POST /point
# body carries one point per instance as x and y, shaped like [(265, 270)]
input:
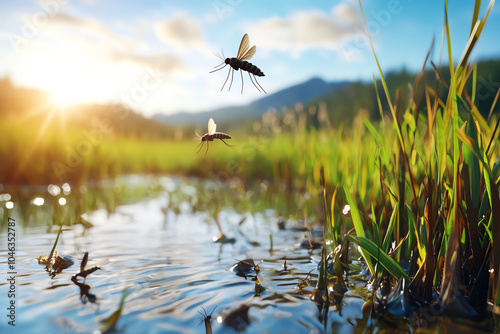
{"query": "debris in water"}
[(246, 268), (258, 288), (56, 263), (83, 271), (85, 294)]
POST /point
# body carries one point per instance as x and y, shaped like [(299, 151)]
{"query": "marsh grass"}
[(438, 201)]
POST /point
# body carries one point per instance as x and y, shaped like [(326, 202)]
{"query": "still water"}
[(157, 250)]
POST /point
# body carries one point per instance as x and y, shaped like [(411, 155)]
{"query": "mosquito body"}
[(211, 135), (245, 52), (207, 319)]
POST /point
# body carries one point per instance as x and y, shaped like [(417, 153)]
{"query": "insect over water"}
[(245, 52), (211, 135)]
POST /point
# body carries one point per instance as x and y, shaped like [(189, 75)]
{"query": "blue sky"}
[(155, 55)]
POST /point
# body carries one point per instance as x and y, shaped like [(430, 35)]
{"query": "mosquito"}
[(207, 318), (211, 135), (245, 52)]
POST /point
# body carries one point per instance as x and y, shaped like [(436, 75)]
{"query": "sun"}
[(63, 97)]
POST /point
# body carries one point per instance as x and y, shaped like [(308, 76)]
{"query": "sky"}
[(155, 56)]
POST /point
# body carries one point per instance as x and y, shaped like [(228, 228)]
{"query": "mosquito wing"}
[(249, 54), (244, 45), (211, 126)]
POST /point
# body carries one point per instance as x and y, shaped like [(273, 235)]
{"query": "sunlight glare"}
[(38, 201), (5, 197), (9, 205), (62, 99), (62, 201), (66, 189), (53, 190)]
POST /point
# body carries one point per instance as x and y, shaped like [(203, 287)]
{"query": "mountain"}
[(287, 97)]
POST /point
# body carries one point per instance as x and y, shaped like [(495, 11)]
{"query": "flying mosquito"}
[(245, 52), (211, 135)]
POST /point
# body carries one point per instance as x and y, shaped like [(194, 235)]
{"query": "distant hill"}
[(18, 104), (287, 97)]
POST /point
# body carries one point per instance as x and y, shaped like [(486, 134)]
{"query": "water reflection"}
[(85, 294)]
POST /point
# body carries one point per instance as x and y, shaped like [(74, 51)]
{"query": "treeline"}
[(344, 103)]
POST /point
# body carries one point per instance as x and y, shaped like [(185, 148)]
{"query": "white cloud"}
[(97, 41), (309, 29), (167, 62), (93, 29), (183, 33)]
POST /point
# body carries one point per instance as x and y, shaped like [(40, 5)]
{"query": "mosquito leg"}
[(207, 149), (228, 145), (226, 79), (259, 84), (218, 68), (253, 82), (232, 76), (241, 82), (201, 143)]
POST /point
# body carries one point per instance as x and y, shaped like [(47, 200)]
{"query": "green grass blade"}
[(108, 324), (358, 226), (412, 228), (376, 230), (385, 260), (335, 227), (421, 239), (55, 243), (373, 131), (474, 83), (448, 39), (390, 229), (477, 7), (379, 103), (473, 162), (476, 30)]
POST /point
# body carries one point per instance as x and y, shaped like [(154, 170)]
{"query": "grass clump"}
[(437, 202)]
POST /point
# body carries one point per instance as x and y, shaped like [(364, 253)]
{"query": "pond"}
[(163, 263)]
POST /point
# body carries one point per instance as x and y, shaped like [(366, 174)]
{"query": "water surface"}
[(160, 248)]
